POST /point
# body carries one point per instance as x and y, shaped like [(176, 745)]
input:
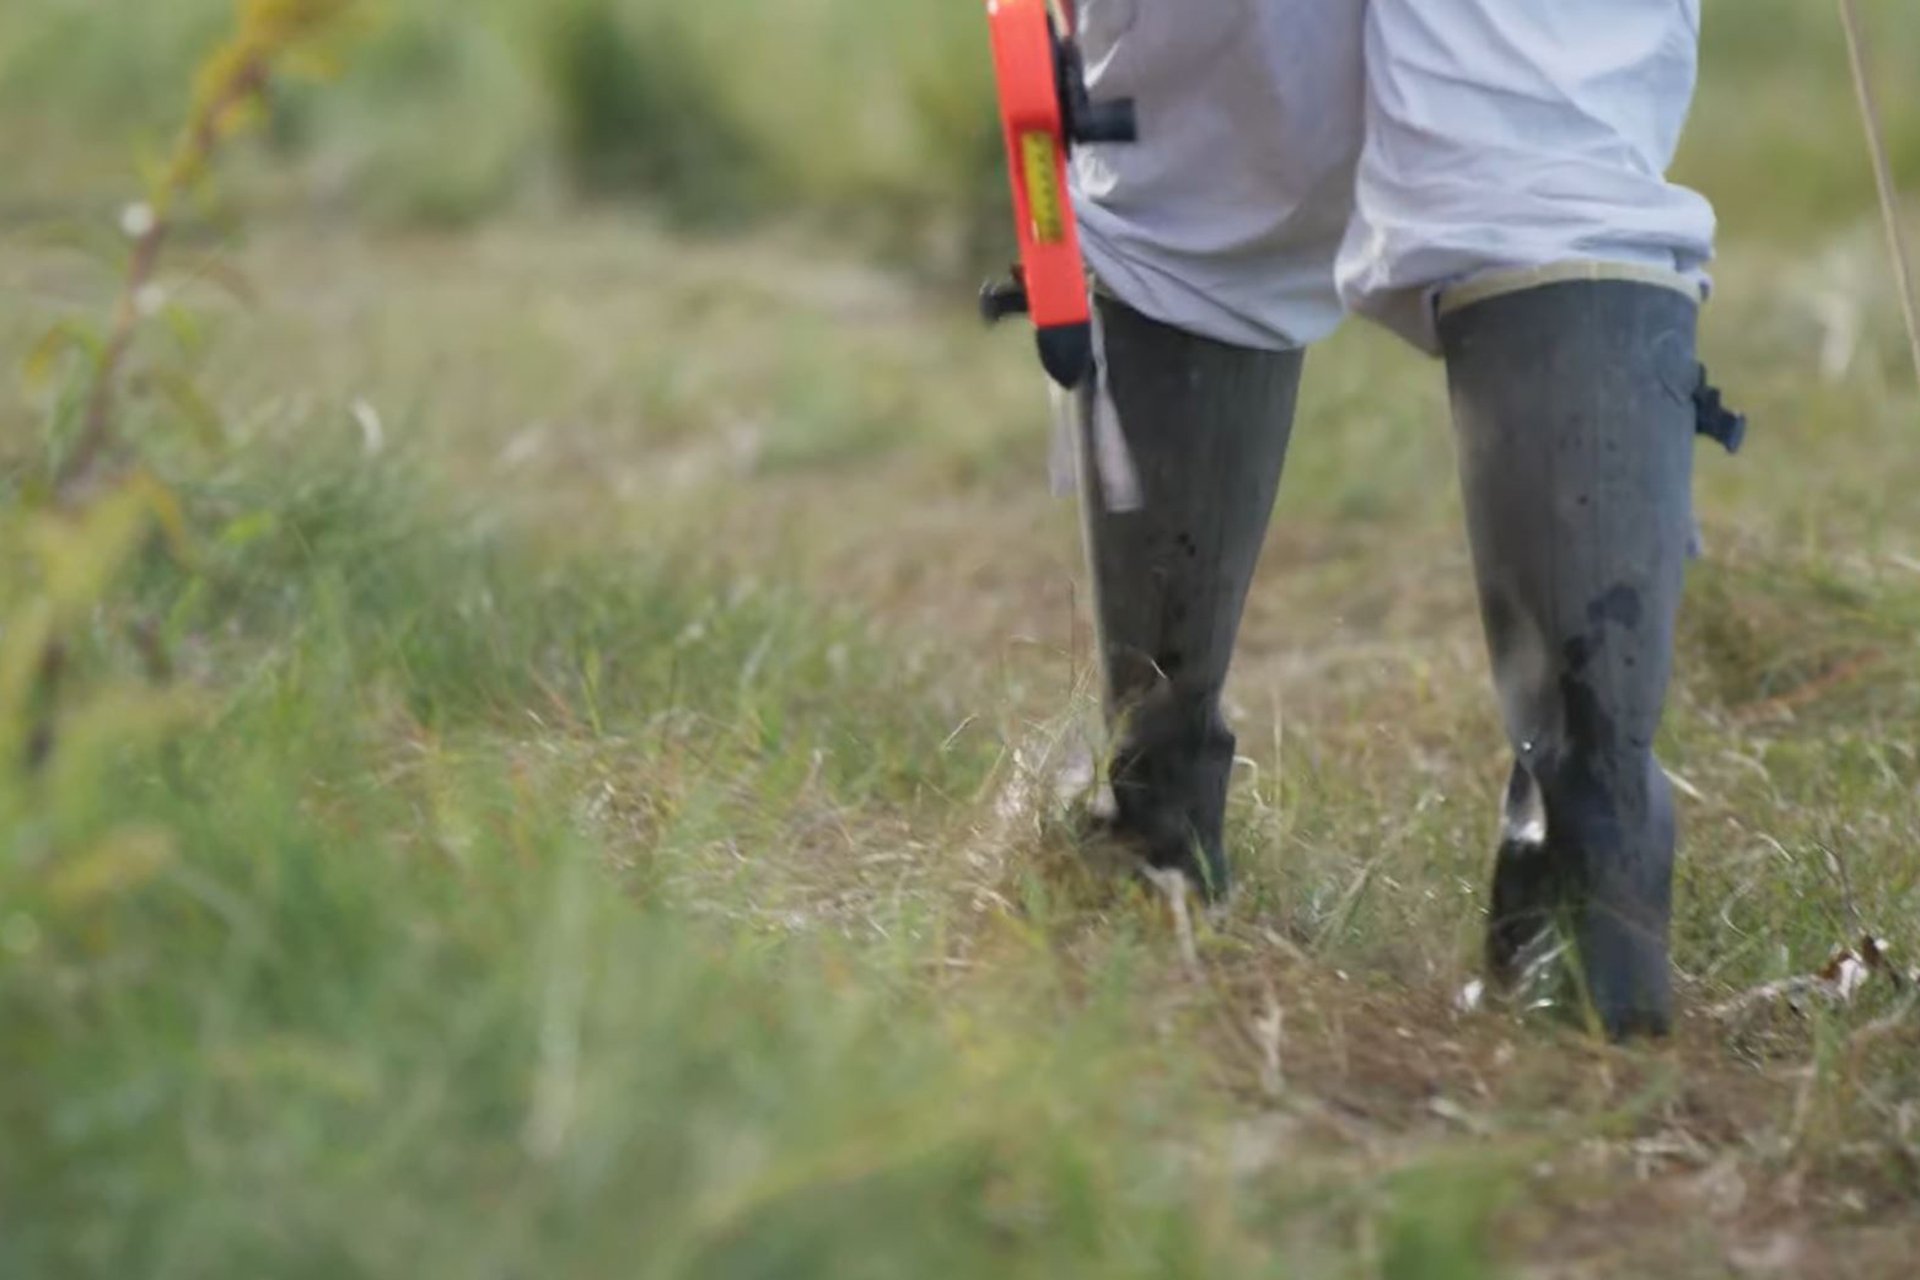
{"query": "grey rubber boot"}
[(1574, 405), (1206, 425)]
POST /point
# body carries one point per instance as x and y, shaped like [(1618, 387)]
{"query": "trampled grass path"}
[(733, 566)]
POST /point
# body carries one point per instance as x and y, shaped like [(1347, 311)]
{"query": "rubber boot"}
[(1574, 405), (1206, 425)]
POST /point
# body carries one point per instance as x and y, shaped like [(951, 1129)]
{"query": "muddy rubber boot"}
[(1575, 409), (1206, 426)]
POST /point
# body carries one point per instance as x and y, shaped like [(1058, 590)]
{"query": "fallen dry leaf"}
[(1845, 974)]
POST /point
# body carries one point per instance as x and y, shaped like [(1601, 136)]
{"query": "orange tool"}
[(1044, 112)]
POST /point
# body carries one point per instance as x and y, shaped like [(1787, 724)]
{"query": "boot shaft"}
[(1205, 426), (1574, 409)]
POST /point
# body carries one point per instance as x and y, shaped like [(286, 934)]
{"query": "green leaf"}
[(246, 529), (81, 553), (164, 504), (43, 357)]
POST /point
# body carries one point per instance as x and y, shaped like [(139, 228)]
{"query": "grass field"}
[(584, 803)]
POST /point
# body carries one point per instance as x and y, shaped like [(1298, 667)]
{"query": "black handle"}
[(1000, 299), (1714, 420), (1086, 120), (1106, 121)]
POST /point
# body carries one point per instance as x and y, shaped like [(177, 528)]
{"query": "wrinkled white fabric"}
[(1305, 159)]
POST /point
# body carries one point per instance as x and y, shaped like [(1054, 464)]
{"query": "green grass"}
[(412, 994), (598, 829), (600, 823)]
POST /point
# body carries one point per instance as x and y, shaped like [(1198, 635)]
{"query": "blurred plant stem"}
[(229, 88), (97, 521), (1885, 184)]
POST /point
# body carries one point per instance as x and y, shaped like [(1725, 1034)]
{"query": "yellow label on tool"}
[(1043, 188)]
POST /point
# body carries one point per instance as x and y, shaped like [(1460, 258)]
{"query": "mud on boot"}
[(1169, 772)]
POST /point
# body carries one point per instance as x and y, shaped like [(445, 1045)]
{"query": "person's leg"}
[(1513, 216), (1575, 418), (1214, 239), (1206, 426)]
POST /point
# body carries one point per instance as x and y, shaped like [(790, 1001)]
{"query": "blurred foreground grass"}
[(605, 823), (873, 119)]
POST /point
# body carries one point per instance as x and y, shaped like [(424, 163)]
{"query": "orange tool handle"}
[(1044, 111), (1033, 119)]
